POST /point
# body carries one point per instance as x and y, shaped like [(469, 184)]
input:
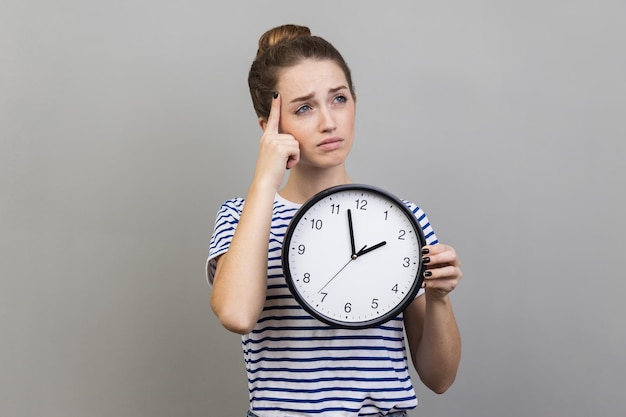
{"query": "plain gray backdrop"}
[(125, 123)]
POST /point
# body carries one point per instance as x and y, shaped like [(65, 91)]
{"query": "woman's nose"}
[(327, 121)]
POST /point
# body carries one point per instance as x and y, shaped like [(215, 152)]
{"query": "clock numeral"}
[(407, 262), (335, 208), (316, 224), (307, 278), (375, 303), (361, 204), (401, 234), (301, 249), (324, 294), (386, 212), (395, 288), (348, 307)]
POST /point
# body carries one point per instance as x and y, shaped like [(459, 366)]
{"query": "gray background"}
[(124, 124)]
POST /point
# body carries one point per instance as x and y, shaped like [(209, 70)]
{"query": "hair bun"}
[(281, 34)]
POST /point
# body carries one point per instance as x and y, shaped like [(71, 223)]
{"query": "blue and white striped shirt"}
[(298, 366)]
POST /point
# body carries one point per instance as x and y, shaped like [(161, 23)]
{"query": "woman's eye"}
[(303, 109), (341, 99)]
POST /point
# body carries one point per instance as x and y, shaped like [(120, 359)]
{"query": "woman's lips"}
[(330, 144)]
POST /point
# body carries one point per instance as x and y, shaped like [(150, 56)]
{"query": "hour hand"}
[(366, 249)]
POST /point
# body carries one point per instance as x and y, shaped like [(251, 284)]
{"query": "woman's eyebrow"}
[(336, 89), (303, 98), (311, 95)]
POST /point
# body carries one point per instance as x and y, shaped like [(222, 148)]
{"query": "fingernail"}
[(425, 259), (275, 94), (427, 274), (425, 251)]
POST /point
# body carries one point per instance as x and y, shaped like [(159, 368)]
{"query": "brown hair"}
[(283, 47)]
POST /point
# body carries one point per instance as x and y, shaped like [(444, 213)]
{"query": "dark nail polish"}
[(425, 259), (427, 274), (275, 94), (425, 251)]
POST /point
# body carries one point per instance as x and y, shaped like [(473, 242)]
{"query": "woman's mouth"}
[(330, 144)]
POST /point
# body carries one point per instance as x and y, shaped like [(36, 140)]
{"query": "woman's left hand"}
[(443, 270)]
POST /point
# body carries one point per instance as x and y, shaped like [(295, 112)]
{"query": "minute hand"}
[(366, 249), (351, 229)]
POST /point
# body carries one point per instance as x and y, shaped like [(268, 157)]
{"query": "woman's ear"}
[(262, 123)]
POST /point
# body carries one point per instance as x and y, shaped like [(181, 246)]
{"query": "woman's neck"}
[(303, 184)]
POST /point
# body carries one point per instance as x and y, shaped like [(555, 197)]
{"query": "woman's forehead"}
[(310, 77)]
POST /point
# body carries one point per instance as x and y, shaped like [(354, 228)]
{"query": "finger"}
[(273, 119), (439, 255), (438, 289), (444, 279), (294, 158), (435, 249), (443, 273)]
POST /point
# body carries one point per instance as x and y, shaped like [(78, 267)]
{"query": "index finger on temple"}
[(273, 119)]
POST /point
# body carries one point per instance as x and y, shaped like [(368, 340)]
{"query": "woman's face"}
[(318, 110)]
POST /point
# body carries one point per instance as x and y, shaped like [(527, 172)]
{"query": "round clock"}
[(352, 256)]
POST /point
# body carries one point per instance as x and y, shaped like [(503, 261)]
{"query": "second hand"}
[(352, 258)]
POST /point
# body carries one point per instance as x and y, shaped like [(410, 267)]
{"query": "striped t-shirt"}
[(299, 366)]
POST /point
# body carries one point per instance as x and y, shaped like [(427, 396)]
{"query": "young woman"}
[(303, 95)]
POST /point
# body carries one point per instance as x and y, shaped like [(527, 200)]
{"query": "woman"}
[(303, 95)]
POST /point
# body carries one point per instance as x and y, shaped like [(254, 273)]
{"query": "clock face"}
[(352, 256)]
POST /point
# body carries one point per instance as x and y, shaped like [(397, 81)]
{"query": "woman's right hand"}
[(277, 152), (240, 281)]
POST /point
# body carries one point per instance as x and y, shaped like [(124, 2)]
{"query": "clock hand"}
[(334, 276), (376, 246), (352, 258), (351, 234)]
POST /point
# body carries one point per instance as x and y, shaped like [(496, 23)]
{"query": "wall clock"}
[(352, 256)]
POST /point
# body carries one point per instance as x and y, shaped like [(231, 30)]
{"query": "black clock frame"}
[(377, 321)]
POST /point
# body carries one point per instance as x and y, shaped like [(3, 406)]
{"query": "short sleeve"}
[(422, 219), (225, 224)]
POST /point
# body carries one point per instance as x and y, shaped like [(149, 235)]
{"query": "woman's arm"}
[(239, 283), (240, 280), (432, 332)]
